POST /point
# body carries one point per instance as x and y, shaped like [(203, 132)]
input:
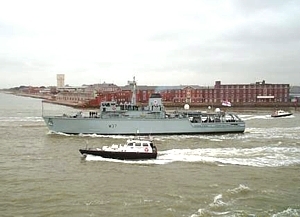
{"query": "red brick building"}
[(254, 94), (259, 92)]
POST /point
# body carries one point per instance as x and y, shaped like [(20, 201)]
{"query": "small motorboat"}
[(133, 149), (280, 113)]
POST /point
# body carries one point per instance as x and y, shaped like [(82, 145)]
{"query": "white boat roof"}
[(139, 140)]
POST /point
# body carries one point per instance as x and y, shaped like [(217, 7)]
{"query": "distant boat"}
[(134, 149), (226, 103), (126, 118), (280, 113)]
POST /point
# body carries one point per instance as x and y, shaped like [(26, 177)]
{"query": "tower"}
[(60, 79)]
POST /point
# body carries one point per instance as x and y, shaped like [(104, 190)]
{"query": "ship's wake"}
[(254, 157)]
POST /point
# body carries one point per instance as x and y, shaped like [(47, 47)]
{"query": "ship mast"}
[(133, 97)]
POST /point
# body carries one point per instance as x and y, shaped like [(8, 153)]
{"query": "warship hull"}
[(123, 126)]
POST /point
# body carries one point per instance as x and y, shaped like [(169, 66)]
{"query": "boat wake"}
[(272, 133), (254, 157), (264, 117)]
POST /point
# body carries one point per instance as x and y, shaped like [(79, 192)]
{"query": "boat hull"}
[(119, 155), (281, 115), (132, 126)]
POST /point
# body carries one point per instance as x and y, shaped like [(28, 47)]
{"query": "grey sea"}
[(256, 173)]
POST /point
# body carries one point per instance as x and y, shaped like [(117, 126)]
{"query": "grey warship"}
[(153, 119)]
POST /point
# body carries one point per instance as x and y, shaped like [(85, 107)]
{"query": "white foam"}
[(288, 212)]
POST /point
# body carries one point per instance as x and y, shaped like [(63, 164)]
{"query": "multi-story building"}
[(256, 94), (76, 95)]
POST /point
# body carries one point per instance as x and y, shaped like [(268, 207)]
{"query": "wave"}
[(288, 212), (222, 204)]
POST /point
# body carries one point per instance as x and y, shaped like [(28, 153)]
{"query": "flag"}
[(226, 103)]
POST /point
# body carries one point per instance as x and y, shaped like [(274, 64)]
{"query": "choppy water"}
[(252, 174)]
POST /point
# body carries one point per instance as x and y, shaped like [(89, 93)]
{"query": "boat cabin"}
[(132, 145), (140, 145)]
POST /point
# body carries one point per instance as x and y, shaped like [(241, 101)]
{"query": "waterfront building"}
[(259, 93), (254, 94), (76, 95), (104, 87)]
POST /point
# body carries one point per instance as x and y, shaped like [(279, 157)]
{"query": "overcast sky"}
[(159, 42)]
